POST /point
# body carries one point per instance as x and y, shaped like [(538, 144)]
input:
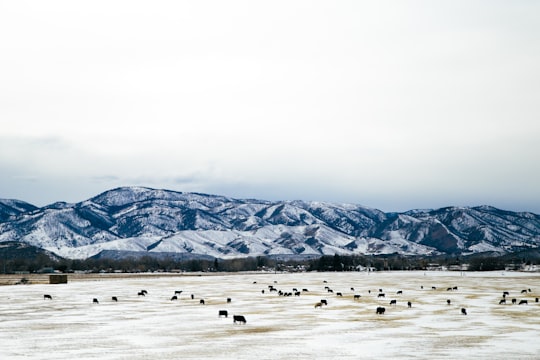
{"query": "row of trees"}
[(483, 262)]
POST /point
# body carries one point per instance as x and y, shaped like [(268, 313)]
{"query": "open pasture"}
[(71, 325)]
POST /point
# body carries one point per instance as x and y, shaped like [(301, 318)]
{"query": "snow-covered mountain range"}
[(138, 220)]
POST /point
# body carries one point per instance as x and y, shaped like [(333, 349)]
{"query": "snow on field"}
[(71, 326)]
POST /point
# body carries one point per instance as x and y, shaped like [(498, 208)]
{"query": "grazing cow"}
[(223, 313), (201, 301), (140, 293), (380, 310), (324, 302), (464, 311), (454, 288), (47, 296), (409, 304), (330, 290), (399, 292), (503, 301), (356, 297), (521, 302), (239, 318), (433, 288), (448, 301), (514, 301), (393, 302), (297, 293), (144, 292), (449, 289), (114, 298), (318, 305), (228, 300), (305, 290), (174, 298), (380, 295), (352, 289), (95, 301), (524, 291), (339, 294)]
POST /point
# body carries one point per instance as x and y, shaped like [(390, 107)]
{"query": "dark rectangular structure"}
[(58, 279)]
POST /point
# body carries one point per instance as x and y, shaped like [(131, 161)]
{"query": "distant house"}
[(365, 268), (434, 267)]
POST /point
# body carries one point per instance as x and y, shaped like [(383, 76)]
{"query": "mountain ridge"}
[(146, 220)]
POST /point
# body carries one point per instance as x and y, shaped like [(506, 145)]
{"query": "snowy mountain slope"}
[(9, 208), (144, 220)]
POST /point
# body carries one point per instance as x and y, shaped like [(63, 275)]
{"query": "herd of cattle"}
[(379, 295)]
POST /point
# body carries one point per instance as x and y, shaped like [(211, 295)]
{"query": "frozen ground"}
[(70, 326)]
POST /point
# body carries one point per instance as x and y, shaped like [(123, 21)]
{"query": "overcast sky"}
[(394, 105)]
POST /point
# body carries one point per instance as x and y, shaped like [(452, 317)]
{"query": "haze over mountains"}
[(135, 221)]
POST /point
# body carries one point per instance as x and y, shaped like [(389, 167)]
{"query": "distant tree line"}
[(478, 262)]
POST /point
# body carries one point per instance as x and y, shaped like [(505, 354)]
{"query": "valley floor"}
[(70, 325)]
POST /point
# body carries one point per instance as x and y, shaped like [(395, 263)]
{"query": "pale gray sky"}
[(395, 105)]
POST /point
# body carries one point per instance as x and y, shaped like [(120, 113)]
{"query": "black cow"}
[(47, 296), (141, 293), (114, 298), (514, 301), (393, 302), (144, 292), (356, 297), (409, 304), (399, 292), (505, 293), (524, 291), (503, 301), (380, 295), (454, 288), (223, 313), (324, 302), (178, 292), (448, 301), (174, 298), (201, 301), (464, 311), (239, 318), (380, 310), (228, 300), (339, 294), (95, 301), (522, 302), (192, 296)]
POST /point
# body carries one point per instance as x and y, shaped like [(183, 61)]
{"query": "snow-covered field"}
[(71, 326)]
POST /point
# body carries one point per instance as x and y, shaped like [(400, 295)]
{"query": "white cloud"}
[(413, 99)]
